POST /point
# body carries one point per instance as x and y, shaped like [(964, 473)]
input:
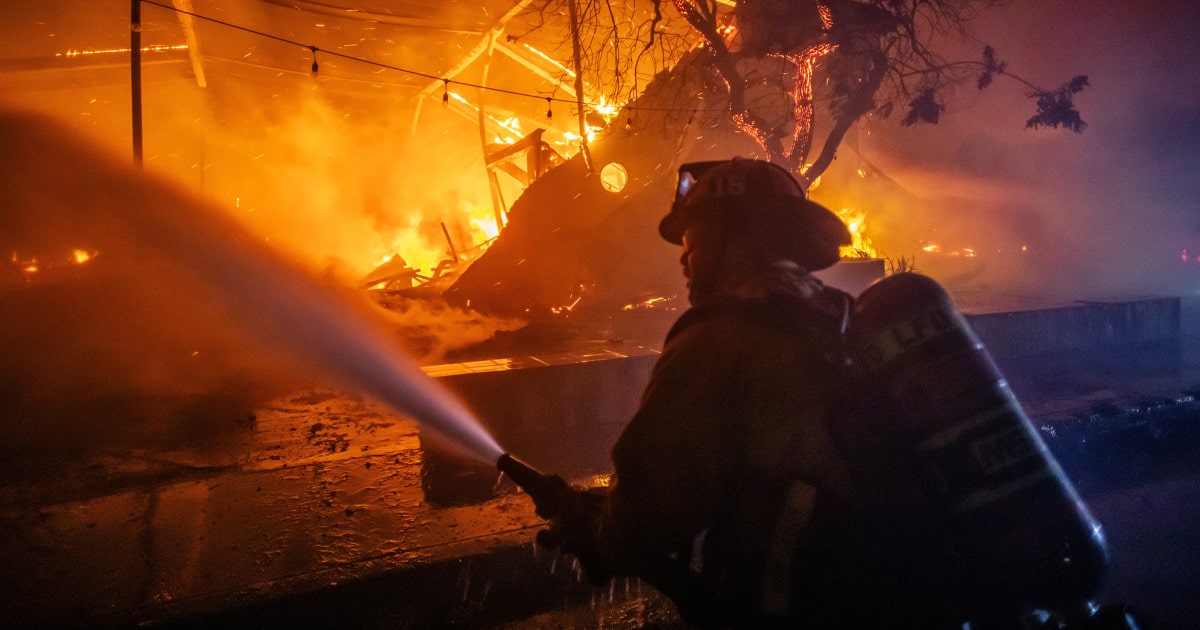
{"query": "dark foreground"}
[(319, 518), (1149, 505)]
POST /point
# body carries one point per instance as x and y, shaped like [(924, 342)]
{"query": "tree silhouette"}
[(778, 74), (871, 53), (782, 60)]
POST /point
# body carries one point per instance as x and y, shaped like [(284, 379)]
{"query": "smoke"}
[(124, 348), (431, 329), (336, 169), (133, 315), (132, 347), (1054, 215), (347, 192)]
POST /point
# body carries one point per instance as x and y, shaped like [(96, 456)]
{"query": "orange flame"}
[(860, 243)]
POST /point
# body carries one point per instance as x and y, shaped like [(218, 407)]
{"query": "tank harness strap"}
[(779, 563), (831, 310)]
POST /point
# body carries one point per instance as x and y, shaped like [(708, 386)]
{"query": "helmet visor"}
[(672, 226), (689, 174)]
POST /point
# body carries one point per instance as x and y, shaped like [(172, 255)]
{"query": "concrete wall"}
[(1128, 338), (563, 413), (543, 413)]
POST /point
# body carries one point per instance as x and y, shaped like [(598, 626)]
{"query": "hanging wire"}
[(446, 81)]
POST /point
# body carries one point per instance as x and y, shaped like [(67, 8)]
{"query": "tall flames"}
[(860, 242), (33, 267)]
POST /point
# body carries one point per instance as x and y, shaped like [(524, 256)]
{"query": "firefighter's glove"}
[(574, 529)]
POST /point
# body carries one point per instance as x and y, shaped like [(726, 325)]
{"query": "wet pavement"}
[(314, 514), (320, 488)]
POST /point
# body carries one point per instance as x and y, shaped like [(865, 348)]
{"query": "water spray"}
[(107, 202)]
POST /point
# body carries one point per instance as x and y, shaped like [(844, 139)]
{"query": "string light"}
[(445, 92), (549, 111), (446, 82)]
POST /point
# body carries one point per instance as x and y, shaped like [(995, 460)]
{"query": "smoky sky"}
[(1106, 213), (331, 170)]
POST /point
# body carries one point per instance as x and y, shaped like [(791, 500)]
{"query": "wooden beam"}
[(189, 32), (518, 56), (324, 8), (485, 42)]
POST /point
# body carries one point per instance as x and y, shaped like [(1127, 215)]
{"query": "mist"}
[(337, 169), (337, 172), (1104, 214), (136, 315)]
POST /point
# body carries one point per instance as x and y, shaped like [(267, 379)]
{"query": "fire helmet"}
[(746, 194)]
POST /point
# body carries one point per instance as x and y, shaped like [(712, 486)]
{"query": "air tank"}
[(1002, 526)]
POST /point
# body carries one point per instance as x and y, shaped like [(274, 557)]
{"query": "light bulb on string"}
[(445, 92), (316, 66)]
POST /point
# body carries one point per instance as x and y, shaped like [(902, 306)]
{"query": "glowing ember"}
[(649, 303), (117, 51), (81, 256), (548, 59), (802, 95), (512, 125), (572, 139), (559, 310), (826, 14), (606, 109), (965, 252), (487, 225)]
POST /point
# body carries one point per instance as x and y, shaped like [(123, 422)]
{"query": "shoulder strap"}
[(826, 313)]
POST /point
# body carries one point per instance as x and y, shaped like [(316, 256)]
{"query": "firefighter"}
[(804, 459), (726, 479)]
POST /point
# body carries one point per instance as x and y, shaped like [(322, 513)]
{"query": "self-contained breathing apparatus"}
[(969, 505), (940, 447)]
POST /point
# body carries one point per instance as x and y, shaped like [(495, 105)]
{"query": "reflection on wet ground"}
[(315, 514), (318, 487)]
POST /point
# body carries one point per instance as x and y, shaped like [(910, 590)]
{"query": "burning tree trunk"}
[(569, 239), (800, 34), (748, 89)]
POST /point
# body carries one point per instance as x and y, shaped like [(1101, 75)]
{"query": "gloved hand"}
[(574, 529)]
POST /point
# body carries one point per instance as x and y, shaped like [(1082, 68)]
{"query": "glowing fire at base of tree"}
[(860, 243)]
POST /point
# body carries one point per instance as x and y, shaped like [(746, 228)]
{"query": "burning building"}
[(495, 191)]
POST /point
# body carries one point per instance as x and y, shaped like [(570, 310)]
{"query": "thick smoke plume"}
[(1053, 215), (132, 314)]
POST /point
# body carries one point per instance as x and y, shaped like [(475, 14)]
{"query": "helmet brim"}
[(803, 212), (672, 227)]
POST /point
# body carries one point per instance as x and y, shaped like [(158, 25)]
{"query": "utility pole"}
[(135, 72)]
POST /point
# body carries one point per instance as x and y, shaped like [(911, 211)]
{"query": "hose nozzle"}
[(550, 493)]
